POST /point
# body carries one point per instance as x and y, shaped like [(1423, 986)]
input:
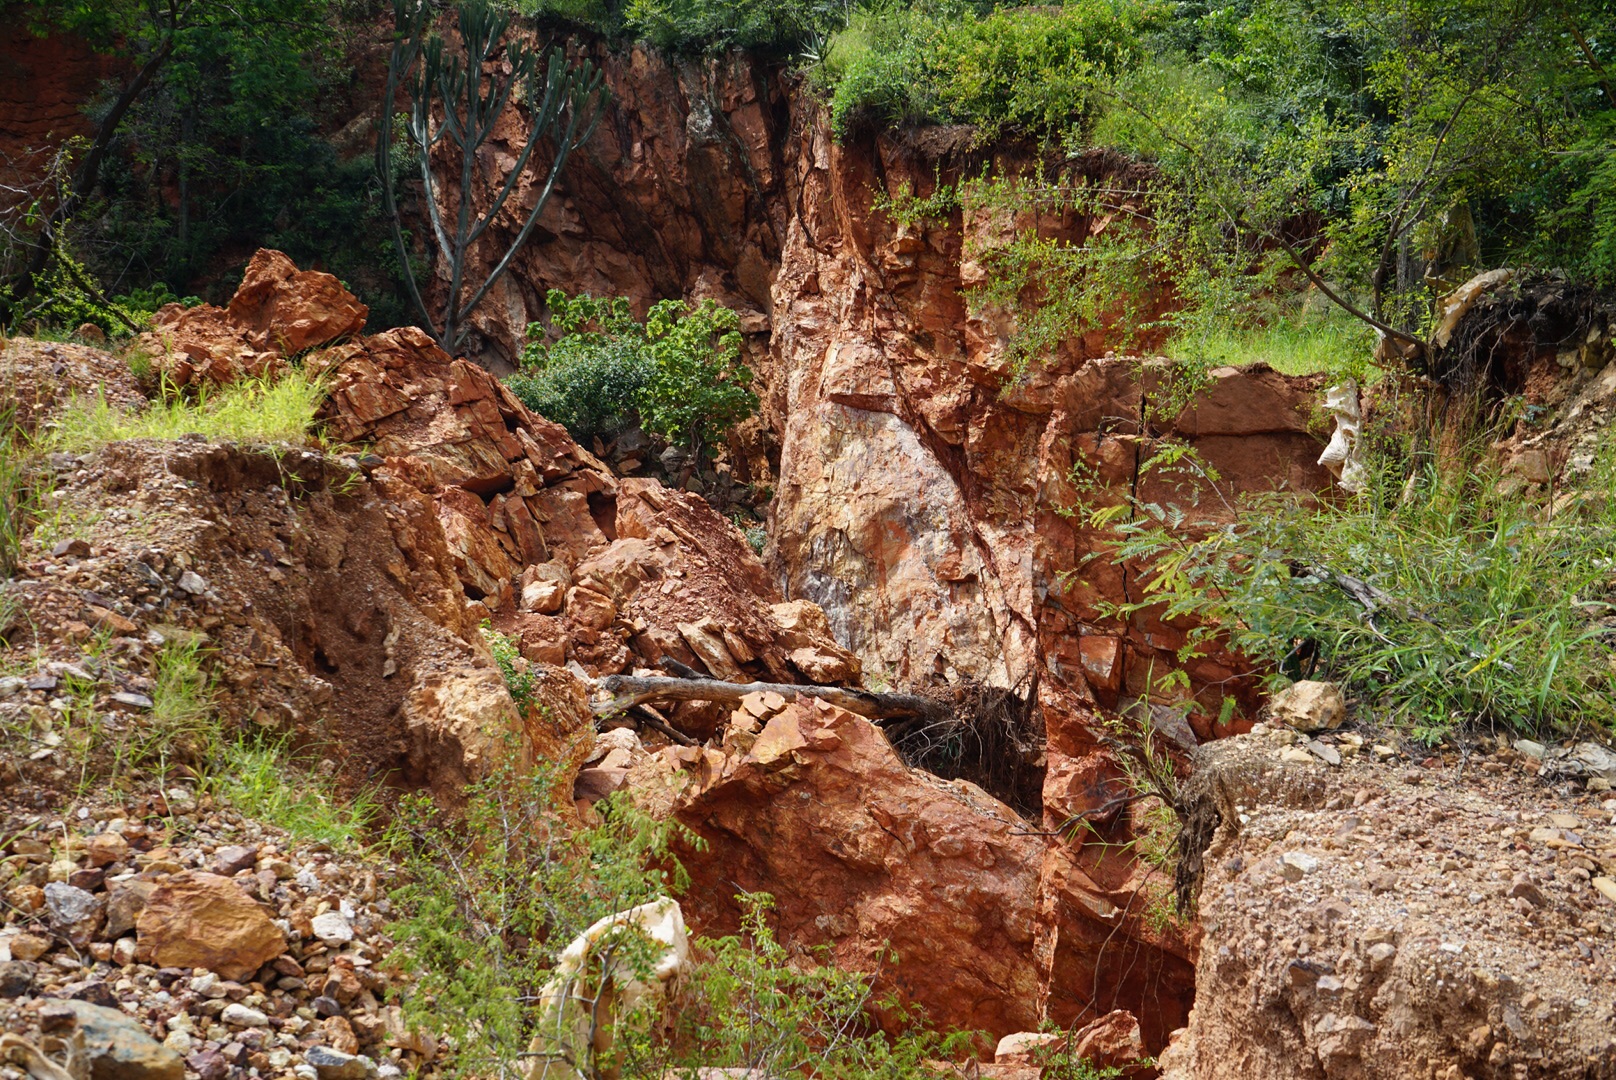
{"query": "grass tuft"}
[(1291, 345), (254, 410), (253, 775)]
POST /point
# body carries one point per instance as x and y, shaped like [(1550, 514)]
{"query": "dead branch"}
[(629, 690)]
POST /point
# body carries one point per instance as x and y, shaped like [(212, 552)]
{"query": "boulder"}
[(882, 858), (1024, 1047), (1111, 1042), (291, 310), (201, 920)]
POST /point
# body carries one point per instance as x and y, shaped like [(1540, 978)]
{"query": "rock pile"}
[(178, 938)]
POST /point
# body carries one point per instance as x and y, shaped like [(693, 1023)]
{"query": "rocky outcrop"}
[(991, 926), (636, 572), (1376, 920), (277, 313), (920, 498)]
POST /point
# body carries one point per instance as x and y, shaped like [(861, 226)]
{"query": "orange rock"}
[(195, 919), (290, 310), (862, 853)]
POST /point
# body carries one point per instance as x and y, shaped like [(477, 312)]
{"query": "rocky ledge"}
[(1446, 916)]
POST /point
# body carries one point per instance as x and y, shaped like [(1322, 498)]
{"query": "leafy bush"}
[(591, 379), (512, 666), (1032, 70), (678, 374), (1439, 599), (698, 388), (777, 26)]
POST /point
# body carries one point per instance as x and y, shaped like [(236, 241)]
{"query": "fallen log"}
[(628, 691)]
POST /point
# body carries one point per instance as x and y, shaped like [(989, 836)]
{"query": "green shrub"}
[(1439, 599), (512, 666), (678, 374), (771, 26), (698, 388), (497, 893), (1028, 70), (590, 380), (602, 16)]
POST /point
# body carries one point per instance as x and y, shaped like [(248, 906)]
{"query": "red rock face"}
[(918, 498), (993, 927), (44, 85)]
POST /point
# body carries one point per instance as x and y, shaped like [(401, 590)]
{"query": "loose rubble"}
[(1446, 915), (195, 950)]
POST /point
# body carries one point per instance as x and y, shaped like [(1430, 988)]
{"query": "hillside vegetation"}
[(1387, 146)]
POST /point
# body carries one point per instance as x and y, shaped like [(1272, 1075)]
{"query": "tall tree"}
[(460, 96)]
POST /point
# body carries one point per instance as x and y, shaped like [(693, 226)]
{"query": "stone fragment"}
[(544, 596), (1021, 1047), (74, 913), (230, 861), (29, 946), (1295, 865), (1523, 887), (196, 919), (106, 848), (1111, 1042), (334, 1064), (120, 1049), (16, 978), (125, 901), (1530, 748), (339, 1035), (238, 1015), (1325, 753), (209, 1065), (1381, 954), (1309, 706), (333, 928), (590, 609), (1606, 887)]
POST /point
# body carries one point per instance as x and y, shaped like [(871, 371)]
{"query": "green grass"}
[(265, 780), (1291, 345), (14, 491), (254, 410)]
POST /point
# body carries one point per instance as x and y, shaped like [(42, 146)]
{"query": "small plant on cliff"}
[(512, 666), (678, 374), (463, 96)]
